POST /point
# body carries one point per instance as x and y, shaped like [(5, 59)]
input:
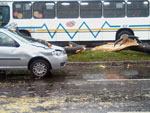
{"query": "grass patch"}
[(97, 56)]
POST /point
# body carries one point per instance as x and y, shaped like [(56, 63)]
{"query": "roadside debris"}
[(131, 42), (120, 44), (75, 48), (102, 66), (128, 66)]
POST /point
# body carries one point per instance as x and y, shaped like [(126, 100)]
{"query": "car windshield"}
[(19, 37)]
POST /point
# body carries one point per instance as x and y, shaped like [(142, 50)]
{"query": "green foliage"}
[(97, 56)]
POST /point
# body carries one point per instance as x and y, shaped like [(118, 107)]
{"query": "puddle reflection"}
[(119, 73), (85, 73)]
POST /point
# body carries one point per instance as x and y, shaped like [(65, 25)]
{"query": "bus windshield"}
[(4, 15)]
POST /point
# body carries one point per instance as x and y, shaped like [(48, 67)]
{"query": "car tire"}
[(40, 68), (122, 34)]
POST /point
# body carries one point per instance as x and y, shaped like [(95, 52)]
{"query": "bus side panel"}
[(140, 27), (90, 30), (67, 30), (109, 27), (44, 29)]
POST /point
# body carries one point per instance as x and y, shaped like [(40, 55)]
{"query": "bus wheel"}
[(123, 33)]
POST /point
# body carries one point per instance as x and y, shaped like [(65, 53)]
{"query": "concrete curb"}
[(113, 63)]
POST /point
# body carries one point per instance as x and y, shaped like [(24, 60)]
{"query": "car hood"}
[(37, 44)]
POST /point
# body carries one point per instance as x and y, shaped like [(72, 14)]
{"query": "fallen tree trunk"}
[(123, 44), (131, 42), (142, 48), (74, 48)]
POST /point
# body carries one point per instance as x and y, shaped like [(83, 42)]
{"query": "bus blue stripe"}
[(79, 31), (139, 26), (71, 37)]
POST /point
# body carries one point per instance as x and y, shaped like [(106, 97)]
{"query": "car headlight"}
[(58, 52)]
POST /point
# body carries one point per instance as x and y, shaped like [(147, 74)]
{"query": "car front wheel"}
[(40, 68)]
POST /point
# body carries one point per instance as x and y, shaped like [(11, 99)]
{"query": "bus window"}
[(22, 10), (4, 15), (137, 8), (114, 9), (67, 9), (90, 9), (44, 10)]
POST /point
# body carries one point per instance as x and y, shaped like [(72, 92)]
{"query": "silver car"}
[(17, 53)]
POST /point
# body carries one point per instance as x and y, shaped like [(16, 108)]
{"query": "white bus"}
[(79, 21)]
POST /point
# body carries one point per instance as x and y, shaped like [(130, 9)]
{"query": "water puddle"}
[(116, 73), (85, 73)]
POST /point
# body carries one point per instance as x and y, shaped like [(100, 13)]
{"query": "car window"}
[(5, 40)]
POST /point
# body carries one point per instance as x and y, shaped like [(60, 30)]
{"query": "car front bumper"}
[(59, 61)]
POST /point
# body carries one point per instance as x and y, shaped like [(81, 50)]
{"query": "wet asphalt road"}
[(78, 89)]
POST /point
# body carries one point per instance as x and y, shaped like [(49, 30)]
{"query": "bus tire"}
[(121, 34)]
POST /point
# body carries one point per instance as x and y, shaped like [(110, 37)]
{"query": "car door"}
[(9, 56)]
